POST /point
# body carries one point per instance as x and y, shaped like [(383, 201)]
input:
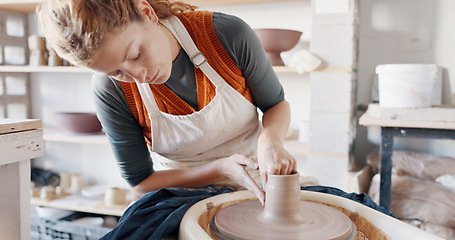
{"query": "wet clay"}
[(284, 216)]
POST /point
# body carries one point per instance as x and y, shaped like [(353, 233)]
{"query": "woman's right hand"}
[(234, 168)]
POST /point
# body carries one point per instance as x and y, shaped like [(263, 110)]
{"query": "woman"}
[(186, 84)]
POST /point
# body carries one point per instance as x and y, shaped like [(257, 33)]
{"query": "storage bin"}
[(64, 228), (406, 85)]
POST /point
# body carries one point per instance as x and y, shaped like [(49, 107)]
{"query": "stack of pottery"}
[(54, 59), (38, 51)]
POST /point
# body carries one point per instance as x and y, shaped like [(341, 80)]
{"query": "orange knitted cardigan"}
[(199, 25)]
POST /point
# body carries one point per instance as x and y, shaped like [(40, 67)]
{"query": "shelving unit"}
[(63, 69), (56, 135), (29, 6), (44, 69), (79, 202)]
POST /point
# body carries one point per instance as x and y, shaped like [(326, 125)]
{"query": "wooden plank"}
[(284, 69), (14, 204), (44, 69), (65, 69), (440, 117), (29, 6), (80, 203), (204, 3), (24, 190), (8, 125), (15, 147), (20, 6), (55, 135), (335, 69)]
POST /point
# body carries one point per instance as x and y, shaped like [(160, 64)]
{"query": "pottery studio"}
[(227, 119)]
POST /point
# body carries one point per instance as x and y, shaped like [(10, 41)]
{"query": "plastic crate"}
[(44, 229)]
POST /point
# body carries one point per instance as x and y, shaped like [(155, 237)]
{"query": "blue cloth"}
[(158, 214), (360, 198)]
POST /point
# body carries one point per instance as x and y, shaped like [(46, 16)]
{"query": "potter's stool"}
[(434, 122)]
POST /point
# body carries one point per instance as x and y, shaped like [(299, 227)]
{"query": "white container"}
[(406, 85)]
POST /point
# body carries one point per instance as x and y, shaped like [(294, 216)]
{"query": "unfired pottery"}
[(282, 199), (47, 193), (78, 122), (276, 41), (114, 197), (77, 183), (65, 180), (284, 216)]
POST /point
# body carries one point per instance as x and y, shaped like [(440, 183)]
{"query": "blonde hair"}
[(74, 29)]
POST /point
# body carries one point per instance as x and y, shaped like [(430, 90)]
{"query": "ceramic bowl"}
[(78, 122), (276, 41)]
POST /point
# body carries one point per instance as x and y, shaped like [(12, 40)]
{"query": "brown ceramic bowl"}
[(276, 41), (78, 122)]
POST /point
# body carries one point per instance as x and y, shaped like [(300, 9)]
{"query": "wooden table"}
[(20, 141), (434, 122)]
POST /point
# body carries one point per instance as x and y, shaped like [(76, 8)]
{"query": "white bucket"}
[(406, 85)]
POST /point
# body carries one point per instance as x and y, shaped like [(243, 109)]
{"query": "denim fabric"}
[(360, 198), (158, 214)]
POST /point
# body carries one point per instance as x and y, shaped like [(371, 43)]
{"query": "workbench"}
[(433, 122), (20, 141)]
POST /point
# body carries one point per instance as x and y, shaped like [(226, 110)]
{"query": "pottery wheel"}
[(242, 221)]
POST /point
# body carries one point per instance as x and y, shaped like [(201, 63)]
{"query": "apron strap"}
[(179, 31), (148, 98)]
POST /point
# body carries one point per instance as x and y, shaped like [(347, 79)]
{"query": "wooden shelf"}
[(55, 135), (435, 117), (204, 3), (21, 6), (80, 203), (46, 69), (9, 125), (284, 69), (29, 6), (62, 69)]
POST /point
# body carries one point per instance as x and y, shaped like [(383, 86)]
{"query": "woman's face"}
[(142, 52)]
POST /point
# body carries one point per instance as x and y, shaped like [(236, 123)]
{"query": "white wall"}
[(444, 56), (444, 47), (387, 31)]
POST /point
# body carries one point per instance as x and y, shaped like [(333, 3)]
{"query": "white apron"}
[(228, 125)]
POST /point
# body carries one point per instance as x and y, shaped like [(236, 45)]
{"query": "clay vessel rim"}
[(282, 176)]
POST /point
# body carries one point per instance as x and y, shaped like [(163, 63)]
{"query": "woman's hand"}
[(274, 159), (234, 168)]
